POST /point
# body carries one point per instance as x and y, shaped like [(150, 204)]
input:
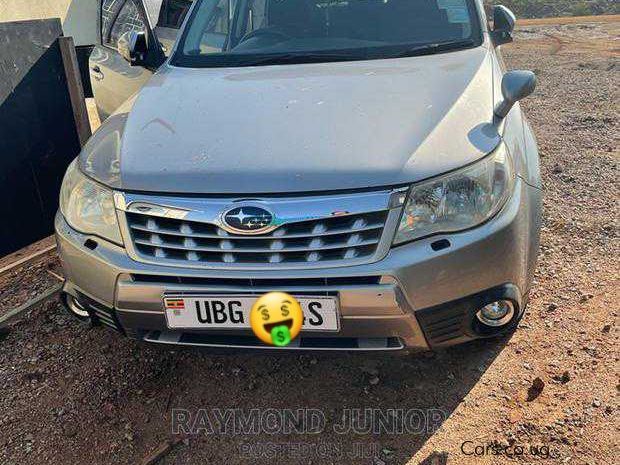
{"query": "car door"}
[(113, 79)]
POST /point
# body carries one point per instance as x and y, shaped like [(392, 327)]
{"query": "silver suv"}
[(369, 157)]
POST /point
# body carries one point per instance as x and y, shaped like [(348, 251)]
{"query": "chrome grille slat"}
[(336, 239), (317, 248), (186, 233)]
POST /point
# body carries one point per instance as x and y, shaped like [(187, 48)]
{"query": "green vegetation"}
[(547, 8)]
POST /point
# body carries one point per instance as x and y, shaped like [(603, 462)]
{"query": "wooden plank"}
[(56, 275), (27, 251), (16, 312), (27, 259), (76, 90), (162, 450)]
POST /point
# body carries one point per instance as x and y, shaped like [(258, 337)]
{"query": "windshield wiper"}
[(369, 53), (296, 58), (439, 47)]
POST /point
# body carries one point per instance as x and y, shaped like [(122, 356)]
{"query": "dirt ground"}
[(75, 395), (569, 20)]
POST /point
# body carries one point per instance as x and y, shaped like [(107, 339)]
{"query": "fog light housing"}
[(496, 314), (76, 308)]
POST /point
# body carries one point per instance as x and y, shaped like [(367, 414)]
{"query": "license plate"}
[(233, 312)]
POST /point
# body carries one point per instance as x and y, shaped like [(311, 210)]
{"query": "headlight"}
[(88, 206), (459, 200)]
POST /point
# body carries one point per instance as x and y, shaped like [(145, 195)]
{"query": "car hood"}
[(299, 128)]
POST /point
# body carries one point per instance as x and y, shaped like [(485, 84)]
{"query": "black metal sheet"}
[(38, 136)]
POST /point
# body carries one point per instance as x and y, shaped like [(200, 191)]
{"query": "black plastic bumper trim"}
[(455, 322), (99, 314)]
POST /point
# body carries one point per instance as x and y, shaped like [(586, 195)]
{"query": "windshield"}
[(260, 32)]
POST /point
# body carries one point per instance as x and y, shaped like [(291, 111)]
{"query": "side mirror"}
[(135, 48), (138, 48), (503, 24), (516, 85)]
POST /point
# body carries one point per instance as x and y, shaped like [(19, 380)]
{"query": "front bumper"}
[(419, 296)]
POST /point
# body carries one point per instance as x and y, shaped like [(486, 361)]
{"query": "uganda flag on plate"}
[(175, 304)]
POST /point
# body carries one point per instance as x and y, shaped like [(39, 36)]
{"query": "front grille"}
[(259, 283), (330, 239)]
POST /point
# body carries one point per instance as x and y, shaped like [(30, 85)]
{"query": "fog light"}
[(497, 313)]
